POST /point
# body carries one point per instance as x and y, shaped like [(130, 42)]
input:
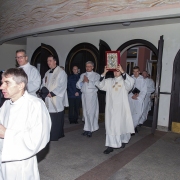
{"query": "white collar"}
[(89, 72), (23, 66), (20, 99)]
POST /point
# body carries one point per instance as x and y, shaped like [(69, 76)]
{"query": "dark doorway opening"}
[(79, 55), (39, 58), (174, 120)]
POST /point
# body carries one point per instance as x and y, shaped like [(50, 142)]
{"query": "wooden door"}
[(174, 116), (103, 46), (158, 82)]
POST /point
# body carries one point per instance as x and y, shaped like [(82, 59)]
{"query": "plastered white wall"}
[(7, 55), (164, 107), (63, 44)]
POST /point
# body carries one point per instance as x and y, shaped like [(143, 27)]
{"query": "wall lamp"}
[(126, 23), (71, 30)]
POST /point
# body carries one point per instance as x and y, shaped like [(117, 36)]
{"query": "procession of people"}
[(33, 112)]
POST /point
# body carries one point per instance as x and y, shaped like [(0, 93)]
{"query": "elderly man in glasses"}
[(34, 78)]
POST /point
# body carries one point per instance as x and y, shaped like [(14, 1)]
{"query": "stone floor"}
[(146, 157)]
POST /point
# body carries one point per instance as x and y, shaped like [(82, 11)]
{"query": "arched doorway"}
[(79, 55), (174, 120), (158, 53), (39, 58), (146, 60)]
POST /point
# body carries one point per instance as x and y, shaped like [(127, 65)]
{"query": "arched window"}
[(79, 55)]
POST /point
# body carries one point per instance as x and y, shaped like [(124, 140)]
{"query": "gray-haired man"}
[(24, 128), (34, 78), (90, 103)]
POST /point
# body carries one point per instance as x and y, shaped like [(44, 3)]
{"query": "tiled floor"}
[(146, 157)]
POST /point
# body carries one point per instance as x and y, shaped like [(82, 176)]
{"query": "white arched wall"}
[(63, 44)]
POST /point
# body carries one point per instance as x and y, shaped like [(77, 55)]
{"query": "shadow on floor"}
[(43, 153)]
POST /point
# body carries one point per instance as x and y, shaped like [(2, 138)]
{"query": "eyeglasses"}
[(20, 57)]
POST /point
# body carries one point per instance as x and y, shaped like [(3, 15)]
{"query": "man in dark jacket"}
[(74, 96)]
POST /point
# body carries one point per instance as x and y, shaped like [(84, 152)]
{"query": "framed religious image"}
[(112, 60)]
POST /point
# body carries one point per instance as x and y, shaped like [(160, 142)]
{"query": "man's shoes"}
[(89, 134), (136, 130), (85, 133), (123, 145), (75, 122), (108, 150)]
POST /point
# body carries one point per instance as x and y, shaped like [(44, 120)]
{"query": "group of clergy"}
[(125, 107), (140, 103), (27, 123), (55, 86)]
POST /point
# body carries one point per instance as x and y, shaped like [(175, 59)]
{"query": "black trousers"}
[(57, 128), (74, 105)]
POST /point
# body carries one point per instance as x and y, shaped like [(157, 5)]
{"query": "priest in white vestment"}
[(147, 99), (34, 78), (55, 85), (118, 119), (136, 100), (24, 128), (89, 97)]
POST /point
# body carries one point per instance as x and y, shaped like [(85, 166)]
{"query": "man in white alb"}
[(53, 89), (34, 78), (24, 128), (89, 97), (147, 99), (118, 119), (136, 97)]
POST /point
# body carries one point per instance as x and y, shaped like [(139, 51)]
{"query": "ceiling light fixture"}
[(71, 30), (126, 23)]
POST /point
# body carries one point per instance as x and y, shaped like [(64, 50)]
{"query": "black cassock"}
[(57, 119), (57, 128)]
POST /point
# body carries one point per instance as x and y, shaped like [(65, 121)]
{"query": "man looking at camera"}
[(24, 128), (34, 78), (136, 99)]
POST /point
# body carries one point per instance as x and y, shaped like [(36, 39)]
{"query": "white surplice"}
[(34, 78), (89, 100), (56, 82), (137, 106), (147, 99), (118, 119), (28, 130), (66, 102)]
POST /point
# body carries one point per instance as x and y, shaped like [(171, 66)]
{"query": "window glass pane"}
[(132, 53)]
